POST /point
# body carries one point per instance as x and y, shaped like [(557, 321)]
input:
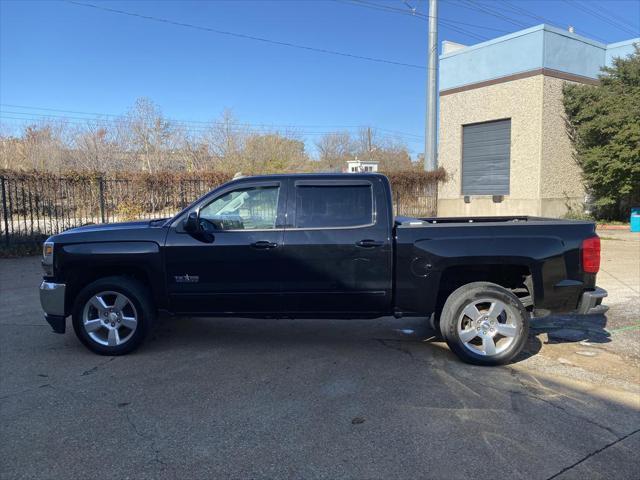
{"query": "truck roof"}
[(312, 175)]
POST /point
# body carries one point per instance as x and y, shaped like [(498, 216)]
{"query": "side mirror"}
[(191, 223)]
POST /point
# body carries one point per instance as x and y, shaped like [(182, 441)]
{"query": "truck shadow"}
[(564, 329), (404, 334), (572, 328), (407, 335)]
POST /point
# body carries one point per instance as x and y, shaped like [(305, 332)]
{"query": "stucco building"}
[(502, 135)]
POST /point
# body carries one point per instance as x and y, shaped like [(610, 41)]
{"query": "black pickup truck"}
[(321, 246)]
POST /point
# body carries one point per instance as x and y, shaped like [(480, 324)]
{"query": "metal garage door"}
[(485, 158)]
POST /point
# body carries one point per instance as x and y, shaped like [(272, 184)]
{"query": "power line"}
[(26, 107), (499, 30), (112, 123), (291, 133), (471, 25), (31, 116), (384, 8), (244, 36), (36, 117), (528, 13), (465, 32), (470, 4), (613, 16), (202, 124), (415, 14), (450, 24), (595, 14)]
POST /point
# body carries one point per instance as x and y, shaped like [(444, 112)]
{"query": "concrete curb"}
[(612, 227)]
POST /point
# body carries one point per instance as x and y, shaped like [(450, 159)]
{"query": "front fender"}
[(82, 262)]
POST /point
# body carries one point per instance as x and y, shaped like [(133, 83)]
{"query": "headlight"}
[(47, 258)]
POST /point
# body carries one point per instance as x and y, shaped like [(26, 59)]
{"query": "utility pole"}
[(431, 123)]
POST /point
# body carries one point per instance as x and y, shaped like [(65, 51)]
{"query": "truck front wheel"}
[(113, 315), (484, 324)]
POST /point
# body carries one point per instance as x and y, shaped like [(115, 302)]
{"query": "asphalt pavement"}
[(326, 399)]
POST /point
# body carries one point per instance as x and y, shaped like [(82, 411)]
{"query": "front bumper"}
[(52, 297), (591, 302)]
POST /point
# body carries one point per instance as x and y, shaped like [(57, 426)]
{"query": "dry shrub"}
[(415, 178), (128, 210), (44, 202)]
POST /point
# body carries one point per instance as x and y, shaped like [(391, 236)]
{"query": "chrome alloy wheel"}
[(486, 327), (110, 318)]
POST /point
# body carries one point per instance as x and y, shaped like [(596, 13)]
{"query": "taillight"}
[(591, 255)]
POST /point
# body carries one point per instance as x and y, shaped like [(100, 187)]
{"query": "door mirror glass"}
[(191, 223)]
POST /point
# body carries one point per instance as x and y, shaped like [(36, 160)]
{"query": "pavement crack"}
[(620, 281), (95, 369), (387, 344), (122, 408), (133, 425), (532, 393), (23, 324), (157, 459), (596, 452), (577, 417), (21, 392)]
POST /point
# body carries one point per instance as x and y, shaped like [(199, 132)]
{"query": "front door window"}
[(254, 208)]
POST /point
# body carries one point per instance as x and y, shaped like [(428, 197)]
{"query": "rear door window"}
[(333, 206)]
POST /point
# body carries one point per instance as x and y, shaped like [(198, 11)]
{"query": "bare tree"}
[(195, 153), (44, 146), (96, 148), (390, 152), (366, 142), (334, 150), (11, 150), (226, 140), (144, 139), (151, 135), (392, 155), (273, 152)]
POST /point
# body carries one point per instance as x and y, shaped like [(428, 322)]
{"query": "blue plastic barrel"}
[(635, 219)]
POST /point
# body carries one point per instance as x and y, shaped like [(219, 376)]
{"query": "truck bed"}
[(402, 221), (431, 251)]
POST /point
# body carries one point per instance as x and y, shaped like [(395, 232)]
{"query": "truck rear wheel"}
[(113, 315), (484, 324)]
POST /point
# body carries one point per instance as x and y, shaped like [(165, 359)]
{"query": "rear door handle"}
[(369, 243), (264, 245)]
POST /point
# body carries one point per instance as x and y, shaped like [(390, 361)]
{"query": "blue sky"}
[(60, 55)]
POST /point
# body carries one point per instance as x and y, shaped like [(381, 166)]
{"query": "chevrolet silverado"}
[(321, 246)]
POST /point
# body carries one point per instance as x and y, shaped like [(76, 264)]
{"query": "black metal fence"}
[(34, 207), (415, 200)]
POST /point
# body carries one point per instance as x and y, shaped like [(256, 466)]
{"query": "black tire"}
[(452, 315), (139, 298)]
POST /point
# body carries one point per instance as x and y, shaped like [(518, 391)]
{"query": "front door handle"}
[(264, 245), (369, 243)]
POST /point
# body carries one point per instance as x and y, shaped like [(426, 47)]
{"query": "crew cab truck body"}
[(323, 246)]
